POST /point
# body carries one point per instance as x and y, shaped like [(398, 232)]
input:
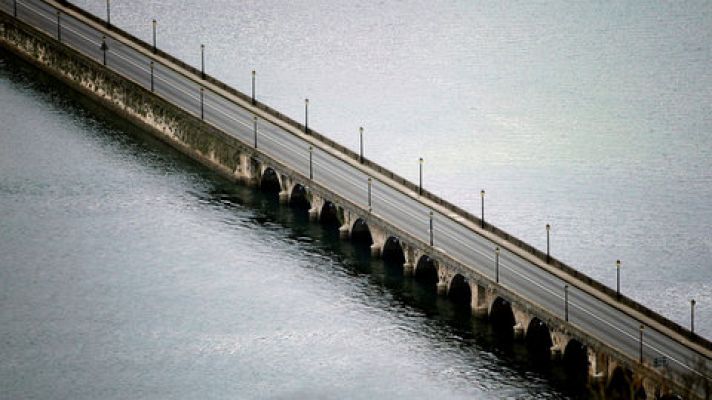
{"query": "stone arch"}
[(361, 233), (620, 385), (393, 251), (329, 214), (538, 339), (575, 361), (502, 317), (459, 291), (426, 271), (299, 197), (270, 181)]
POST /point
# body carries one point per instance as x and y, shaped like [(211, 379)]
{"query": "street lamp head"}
[(154, 23), (482, 193), (693, 302), (369, 179), (360, 130), (420, 160), (306, 101), (311, 148), (618, 263), (253, 73), (548, 227), (496, 250), (202, 46), (431, 214)]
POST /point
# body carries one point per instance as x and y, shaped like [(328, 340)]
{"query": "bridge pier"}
[(317, 203), (246, 171), (378, 237), (409, 263), (479, 299)]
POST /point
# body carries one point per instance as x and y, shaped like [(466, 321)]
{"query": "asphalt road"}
[(598, 318)]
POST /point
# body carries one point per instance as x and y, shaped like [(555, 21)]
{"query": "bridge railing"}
[(348, 153)]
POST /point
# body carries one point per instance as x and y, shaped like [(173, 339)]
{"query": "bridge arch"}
[(620, 384), (459, 291), (502, 317), (329, 215), (393, 251), (426, 271), (538, 340), (575, 360), (361, 233), (270, 181), (299, 197)]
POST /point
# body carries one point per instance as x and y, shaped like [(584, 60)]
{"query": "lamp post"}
[(253, 86), (108, 13), (151, 65), (496, 264), (311, 168), (618, 278), (431, 228), (14, 8), (692, 316), (104, 47), (360, 143), (420, 181), (548, 256), (202, 61), (482, 219), (566, 303), (254, 129), (369, 193), (306, 115), (154, 35), (59, 26)]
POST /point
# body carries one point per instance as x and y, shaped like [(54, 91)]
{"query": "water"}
[(127, 271), (594, 118)]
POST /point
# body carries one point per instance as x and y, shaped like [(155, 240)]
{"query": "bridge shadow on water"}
[(451, 315)]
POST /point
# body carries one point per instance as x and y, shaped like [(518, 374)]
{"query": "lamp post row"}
[(104, 48)]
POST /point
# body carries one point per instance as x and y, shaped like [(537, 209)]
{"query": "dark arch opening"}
[(426, 272), (361, 234), (393, 251), (298, 198), (575, 362), (269, 183), (538, 340), (502, 318), (460, 292), (620, 385), (329, 215), (640, 393)]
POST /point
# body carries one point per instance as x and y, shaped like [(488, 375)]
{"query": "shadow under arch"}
[(426, 272), (269, 182), (361, 233), (298, 198), (502, 319), (575, 362), (538, 340), (393, 252), (460, 292), (329, 215), (620, 386)]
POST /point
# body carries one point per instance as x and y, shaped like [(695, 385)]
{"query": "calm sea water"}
[(595, 118), (127, 271)]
